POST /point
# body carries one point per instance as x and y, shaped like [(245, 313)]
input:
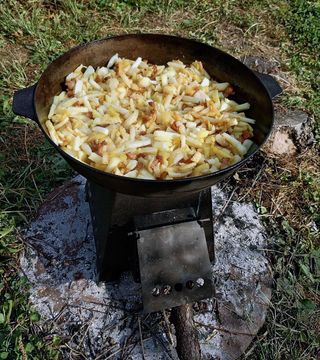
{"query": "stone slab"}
[(105, 321)]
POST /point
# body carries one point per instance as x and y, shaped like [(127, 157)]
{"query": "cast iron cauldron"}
[(34, 102)]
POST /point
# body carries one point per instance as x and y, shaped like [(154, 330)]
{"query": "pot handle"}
[(270, 83), (23, 102)]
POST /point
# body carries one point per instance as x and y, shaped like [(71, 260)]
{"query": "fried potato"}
[(148, 121)]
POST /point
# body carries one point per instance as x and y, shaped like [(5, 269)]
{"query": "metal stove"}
[(167, 244)]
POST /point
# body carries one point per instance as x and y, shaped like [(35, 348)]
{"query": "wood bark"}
[(188, 347)]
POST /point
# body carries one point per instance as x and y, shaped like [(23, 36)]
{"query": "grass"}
[(301, 19), (287, 196), (34, 32), (20, 337)]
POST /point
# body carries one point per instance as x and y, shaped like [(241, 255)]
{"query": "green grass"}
[(20, 337), (287, 195), (34, 32), (302, 22)]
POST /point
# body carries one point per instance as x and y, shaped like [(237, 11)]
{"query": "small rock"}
[(260, 64), (281, 144)]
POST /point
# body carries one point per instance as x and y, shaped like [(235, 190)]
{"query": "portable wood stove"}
[(167, 244)]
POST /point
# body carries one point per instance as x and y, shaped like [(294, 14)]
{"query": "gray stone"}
[(292, 132), (103, 320), (280, 143)]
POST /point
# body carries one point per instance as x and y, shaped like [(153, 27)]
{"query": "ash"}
[(105, 321)]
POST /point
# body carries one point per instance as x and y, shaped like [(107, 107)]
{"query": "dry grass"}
[(282, 187)]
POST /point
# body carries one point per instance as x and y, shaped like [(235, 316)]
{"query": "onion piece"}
[(112, 60)]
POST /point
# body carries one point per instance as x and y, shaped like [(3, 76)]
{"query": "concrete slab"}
[(104, 321)]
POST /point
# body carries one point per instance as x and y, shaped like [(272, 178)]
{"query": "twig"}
[(104, 350), (91, 346), (85, 333), (76, 351), (276, 207), (130, 351), (124, 346), (223, 330), (111, 355), (56, 317), (127, 340), (117, 351), (225, 206), (212, 335), (159, 339), (22, 349), (253, 183), (252, 26), (115, 323), (170, 337), (206, 25), (141, 339), (85, 308), (225, 184)]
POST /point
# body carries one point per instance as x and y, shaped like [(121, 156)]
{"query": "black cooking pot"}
[(257, 89)]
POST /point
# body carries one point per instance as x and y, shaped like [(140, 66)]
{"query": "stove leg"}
[(204, 211), (101, 203)]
